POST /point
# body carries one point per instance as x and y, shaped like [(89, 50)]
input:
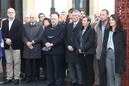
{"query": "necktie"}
[(74, 24)]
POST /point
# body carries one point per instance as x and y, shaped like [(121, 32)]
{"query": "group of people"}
[(63, 43)]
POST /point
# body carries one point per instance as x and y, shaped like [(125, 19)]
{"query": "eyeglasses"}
[(11, 12)]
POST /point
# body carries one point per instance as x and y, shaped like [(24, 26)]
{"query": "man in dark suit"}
[(53, 40), (71, 55), (12, 36)]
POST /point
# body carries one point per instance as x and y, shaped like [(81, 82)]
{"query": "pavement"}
[(42, 83)]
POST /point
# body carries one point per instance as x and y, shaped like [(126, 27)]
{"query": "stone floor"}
[(42, 83)]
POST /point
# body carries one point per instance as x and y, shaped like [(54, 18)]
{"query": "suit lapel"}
[(7, 23), (75, 26), (86, 31)]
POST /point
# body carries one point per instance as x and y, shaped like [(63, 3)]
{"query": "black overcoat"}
[(119, 40), (71, 35)]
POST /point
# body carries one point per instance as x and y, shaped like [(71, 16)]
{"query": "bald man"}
[(12, 36), (26, 19), (32, 35)]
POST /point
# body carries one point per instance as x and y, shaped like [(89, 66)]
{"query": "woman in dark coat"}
[(86, 49), (114, 52)]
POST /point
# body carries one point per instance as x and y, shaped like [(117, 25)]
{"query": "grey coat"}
[(30, 33), (99, 40)]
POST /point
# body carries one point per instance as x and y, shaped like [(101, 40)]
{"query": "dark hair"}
[(41, 14), (88, 18), (106, 11), (71, 10), (82, 10), (47, 20), (118, 22), (56, 14)]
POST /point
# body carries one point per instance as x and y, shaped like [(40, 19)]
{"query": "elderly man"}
[(12, 36), (32, 36)]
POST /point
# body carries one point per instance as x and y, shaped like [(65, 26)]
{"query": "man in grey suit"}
[(32, 35)]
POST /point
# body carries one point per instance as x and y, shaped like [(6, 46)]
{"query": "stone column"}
[(28, 7), (94, 7), (69, 4)]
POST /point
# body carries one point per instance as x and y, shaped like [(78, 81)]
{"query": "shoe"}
[(28, 80), (7, 81), (16, 81)]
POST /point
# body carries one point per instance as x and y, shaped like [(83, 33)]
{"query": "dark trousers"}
[(32, 68), (42, 64), (102, 74), (88, 71), (54, 69), (75, 73)]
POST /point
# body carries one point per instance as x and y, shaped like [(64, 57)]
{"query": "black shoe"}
[(16, 81), (28, 80), (7, 81)]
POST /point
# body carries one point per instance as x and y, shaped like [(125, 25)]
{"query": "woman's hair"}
[(118, 22), (88, 18), (47, 20)]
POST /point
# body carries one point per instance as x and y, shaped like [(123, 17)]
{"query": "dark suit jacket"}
[(119, 40), (88, 41), (71, 56), (15, 33), (55, 35)]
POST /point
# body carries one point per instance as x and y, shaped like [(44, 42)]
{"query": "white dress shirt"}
[(10, 23)]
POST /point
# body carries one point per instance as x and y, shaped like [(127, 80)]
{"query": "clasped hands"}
[(8, 41), (48, 45), (29, 44)]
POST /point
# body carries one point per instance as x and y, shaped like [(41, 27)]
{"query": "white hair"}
[(77, 11)]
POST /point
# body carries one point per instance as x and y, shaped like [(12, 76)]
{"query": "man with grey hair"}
[(71, 55)]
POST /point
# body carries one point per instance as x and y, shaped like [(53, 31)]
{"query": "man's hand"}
[(48, 44), (70, 48), (8, 41), (29, 44), (31, 47)]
